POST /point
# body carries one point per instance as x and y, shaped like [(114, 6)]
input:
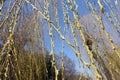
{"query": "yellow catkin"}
[(113, 12), (101, 24), (60, 34), (76, 17), (106, 33), (9, 46)]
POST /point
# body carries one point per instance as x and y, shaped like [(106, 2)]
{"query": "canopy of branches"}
[(59, 39)]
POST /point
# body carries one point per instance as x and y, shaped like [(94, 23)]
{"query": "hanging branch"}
[(60, 34), (106, 33), (113, 16), (101, 24), (92, 64), (10, 56)]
